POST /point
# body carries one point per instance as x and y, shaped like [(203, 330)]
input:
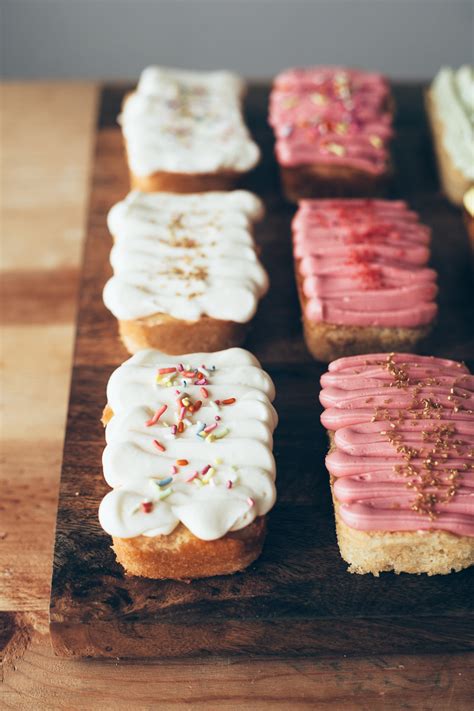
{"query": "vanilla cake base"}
[(175, 336), (320, 180), (163, 181), (328, 341), (182, 556), (430, 552)]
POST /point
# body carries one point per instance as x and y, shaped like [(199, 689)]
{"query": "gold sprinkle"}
[(336, 149), (376, 141), (290, 102), (318, 99)]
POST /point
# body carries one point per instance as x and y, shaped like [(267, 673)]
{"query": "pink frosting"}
[(331, 115), (404, 442), (362, 263)]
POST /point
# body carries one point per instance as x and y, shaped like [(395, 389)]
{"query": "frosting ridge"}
[(403, 442), (363, 263), (187, 122), (332, 115), (169, 459), (185, 256)]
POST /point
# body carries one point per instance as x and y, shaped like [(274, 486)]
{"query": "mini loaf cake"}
[(450, 107), (184, 131), (332, 128), (362, 277), (186, 273), (401, 462), (189, 457)]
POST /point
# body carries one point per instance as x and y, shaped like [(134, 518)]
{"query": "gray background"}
[(117, 38)]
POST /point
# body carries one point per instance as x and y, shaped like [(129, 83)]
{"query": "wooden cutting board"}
[(298, 598)]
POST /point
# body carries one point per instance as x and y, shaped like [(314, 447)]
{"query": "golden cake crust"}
[(182, 556), (163, 181), (175, 336), (321, 180)]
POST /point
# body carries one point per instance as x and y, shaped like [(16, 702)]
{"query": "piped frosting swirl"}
[(190, 441), (363, 263), (333, 116), (187, 122), (403, 442), (185, 256)]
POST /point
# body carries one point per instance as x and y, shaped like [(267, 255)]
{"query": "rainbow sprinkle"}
[(156, 416), (186, 407), (165, 482), (222, 433), (164, 493)]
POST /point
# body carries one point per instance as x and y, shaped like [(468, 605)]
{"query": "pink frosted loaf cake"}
[(332, 127), (362, 277), (401, 462)]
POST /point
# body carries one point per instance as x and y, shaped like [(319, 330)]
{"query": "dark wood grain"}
[(298, 598), (23, 290)]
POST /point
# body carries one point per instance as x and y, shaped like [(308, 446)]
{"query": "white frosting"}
[(453, 94), (208, 506), (187, 122), (185, 256)]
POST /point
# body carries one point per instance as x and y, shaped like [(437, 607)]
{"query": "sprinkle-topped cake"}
[(184, 131), (401, 462), (332, 128), (186, 271), (362, 276), (189, 457)]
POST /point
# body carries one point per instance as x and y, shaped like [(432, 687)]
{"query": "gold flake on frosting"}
[(185, 256)]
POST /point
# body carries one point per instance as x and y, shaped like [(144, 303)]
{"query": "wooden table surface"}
[(48, 131)]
